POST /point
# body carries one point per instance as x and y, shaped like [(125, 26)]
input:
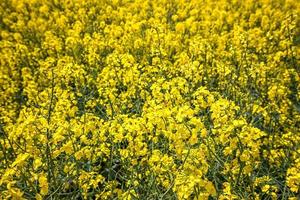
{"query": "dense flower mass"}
[(150, 99)]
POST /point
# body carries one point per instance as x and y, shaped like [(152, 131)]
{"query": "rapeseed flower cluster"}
[(164, 99)]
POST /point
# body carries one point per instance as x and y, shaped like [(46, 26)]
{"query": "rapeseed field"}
[(150, 99)]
